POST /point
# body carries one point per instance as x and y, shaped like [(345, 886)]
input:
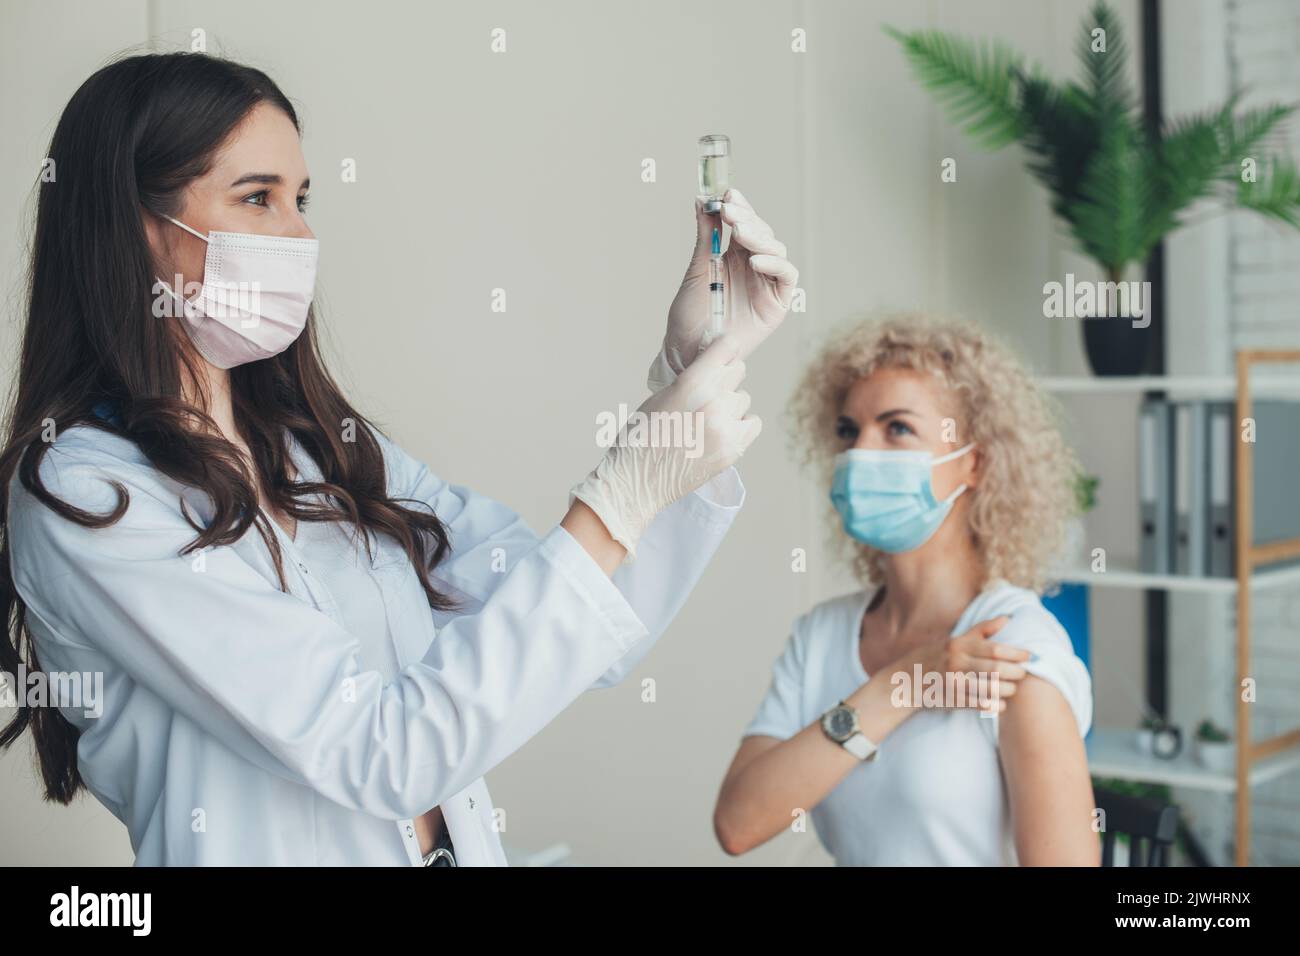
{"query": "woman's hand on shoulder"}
[(970, 669)]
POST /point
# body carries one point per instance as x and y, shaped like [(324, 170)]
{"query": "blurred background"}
[(523, 170)]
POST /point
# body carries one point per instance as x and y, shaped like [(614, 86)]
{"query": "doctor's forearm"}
[(590, 532)]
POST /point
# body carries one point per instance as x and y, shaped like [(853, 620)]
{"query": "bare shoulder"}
[(1038, 719)]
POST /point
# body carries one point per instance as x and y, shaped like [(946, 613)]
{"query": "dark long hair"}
[(128, 142)]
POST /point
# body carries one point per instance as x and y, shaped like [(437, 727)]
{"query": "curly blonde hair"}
[(1026, 492)]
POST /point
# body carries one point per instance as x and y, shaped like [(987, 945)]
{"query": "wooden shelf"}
[(1112, 753)]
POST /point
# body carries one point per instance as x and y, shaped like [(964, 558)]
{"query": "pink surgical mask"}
[(255, 295)]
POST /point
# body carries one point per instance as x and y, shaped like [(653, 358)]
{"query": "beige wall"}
[(521, 171)]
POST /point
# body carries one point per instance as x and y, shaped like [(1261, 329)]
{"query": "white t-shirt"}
[(934, 795)]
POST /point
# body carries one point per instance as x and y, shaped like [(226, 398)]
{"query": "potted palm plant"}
[(1118, 186)]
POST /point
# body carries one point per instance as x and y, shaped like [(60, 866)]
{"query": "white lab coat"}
[(238, 725)]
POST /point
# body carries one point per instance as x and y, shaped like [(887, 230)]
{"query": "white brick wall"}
[(1264, 60), (1263, 39)]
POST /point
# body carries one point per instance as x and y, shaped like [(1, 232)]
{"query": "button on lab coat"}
[(239, 724)]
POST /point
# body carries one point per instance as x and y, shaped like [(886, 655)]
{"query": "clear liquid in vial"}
[(714, 178), (714, 166)]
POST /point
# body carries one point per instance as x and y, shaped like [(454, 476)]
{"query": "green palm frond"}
[(1061, 135), (1252, 128), (972, 81), (1275, 193), (1105, 70), (1189, 161), (1193, 149), (1108, 219), (1196, 155)]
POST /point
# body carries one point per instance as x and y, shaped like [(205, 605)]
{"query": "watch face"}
[(841, 723)]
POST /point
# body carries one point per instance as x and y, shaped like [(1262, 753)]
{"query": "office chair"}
[(1150, 824)]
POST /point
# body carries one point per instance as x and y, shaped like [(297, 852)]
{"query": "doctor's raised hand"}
[(638, 478), (759, 279)]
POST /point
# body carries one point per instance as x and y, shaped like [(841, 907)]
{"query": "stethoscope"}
[(441, 855)]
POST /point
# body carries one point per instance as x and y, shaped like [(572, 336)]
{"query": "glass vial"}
[(715, 170)]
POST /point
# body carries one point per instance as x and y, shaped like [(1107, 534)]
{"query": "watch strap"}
[(860, 746)]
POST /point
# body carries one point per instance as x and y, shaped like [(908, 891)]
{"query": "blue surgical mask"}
[(885, 498)]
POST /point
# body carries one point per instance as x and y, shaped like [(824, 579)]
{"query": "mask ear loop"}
[(956, 492), (193, 232), (949, 457), (953, 454), (185, 304)]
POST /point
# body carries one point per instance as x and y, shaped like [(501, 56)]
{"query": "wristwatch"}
[(840, 724)]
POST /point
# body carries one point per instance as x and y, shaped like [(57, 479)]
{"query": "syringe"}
[(717, 291)]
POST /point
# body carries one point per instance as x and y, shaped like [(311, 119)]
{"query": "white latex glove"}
[(641, 474), (760, 285)]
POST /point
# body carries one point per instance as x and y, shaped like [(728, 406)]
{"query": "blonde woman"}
[(952, 485)]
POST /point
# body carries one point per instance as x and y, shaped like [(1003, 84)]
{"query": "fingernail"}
[(1032, 657)]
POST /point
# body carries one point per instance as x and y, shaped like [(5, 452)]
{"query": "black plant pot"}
[(1114, 346)]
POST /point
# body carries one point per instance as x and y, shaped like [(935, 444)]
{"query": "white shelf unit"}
[(1206, 386), (1124, 574), (1257, 760), (1112, 753)]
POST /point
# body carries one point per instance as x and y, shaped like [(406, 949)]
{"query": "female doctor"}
[(312, 648)]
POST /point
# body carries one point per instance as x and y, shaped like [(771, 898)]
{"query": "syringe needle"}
[(717, 290)]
